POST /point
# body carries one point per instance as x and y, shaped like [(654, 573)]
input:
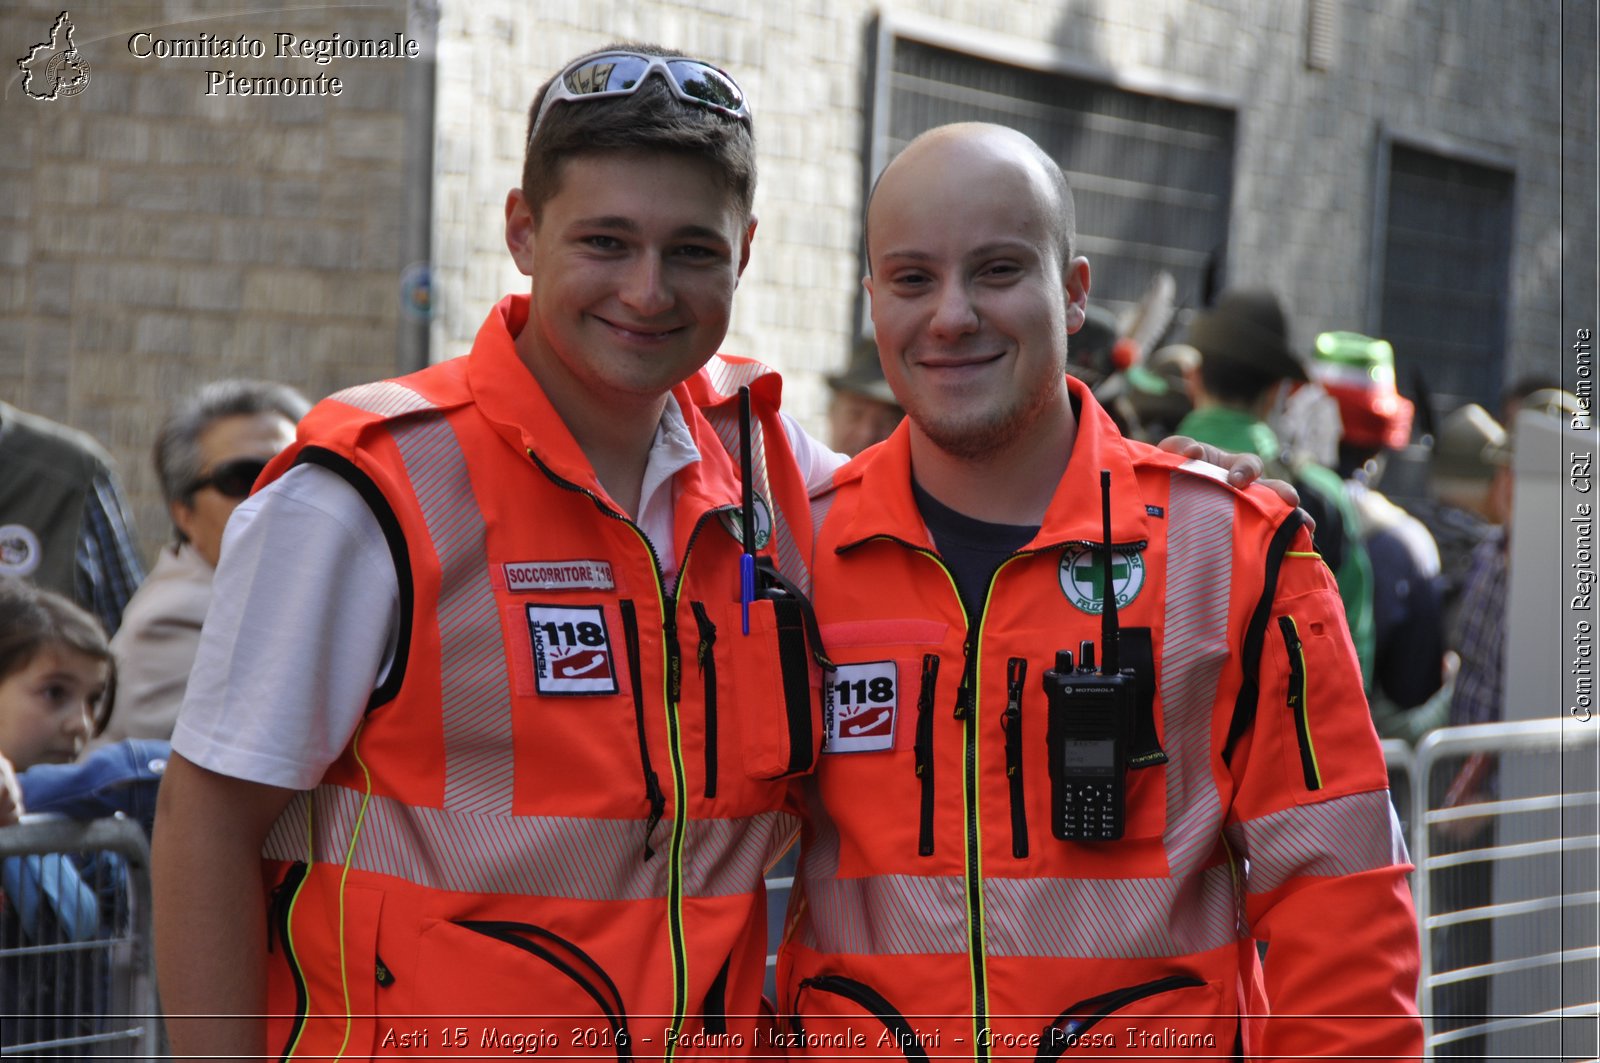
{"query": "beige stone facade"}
[(152, 237)]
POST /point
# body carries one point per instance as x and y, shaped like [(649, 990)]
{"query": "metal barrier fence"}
[(76, 967), (1507, 890), (1402, 764)]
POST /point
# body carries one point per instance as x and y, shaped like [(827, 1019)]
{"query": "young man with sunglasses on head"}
[(485, 735), (501, 706), (208, 455)]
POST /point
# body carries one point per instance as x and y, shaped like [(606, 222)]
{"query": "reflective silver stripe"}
[(1129, 918), (1344, 836), (532, 856), (387, 398), (821, 506), (1193, 651), (479, 754), (892, 915), (728, 377)]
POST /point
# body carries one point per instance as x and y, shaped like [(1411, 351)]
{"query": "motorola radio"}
[(1090, 728)]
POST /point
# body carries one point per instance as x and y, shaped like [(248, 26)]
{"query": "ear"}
[(183, 519), (521, 226), (744, 244), (1075, 283)]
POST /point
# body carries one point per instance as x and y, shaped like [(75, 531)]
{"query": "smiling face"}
[(971, 299), (47, 705), (634, 263)]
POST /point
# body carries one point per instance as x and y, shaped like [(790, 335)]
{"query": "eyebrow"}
[(623, 223), (64, 677), (981, 251)]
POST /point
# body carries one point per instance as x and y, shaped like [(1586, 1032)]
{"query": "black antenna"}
[(747, 515), (746, 474), (1108, 612)]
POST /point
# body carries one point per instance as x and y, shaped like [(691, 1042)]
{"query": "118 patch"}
[(571, 650), (859, 703)]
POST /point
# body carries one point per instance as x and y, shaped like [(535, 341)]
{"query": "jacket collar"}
[(884, 505)]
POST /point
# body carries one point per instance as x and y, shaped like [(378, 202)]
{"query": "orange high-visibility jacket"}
[(935, 912), (555, 815)]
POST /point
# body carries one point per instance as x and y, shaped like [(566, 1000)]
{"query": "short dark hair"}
[(1234, 382), (177, 449), (33, 619), (650, 120)]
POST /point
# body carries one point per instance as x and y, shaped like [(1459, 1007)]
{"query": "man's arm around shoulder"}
[(210, 922)]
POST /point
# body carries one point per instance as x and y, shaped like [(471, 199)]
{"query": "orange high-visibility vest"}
[(549, 831), (936, 913)]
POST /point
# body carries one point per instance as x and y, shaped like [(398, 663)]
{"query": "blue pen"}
[(747, 523)]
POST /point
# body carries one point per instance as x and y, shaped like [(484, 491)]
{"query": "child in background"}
[(55, 672)]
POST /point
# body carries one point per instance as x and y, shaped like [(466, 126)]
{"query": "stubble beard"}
[(975, 438)]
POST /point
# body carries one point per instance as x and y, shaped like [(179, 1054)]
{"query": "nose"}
[(77, 724), (645, 290), (954, 313)]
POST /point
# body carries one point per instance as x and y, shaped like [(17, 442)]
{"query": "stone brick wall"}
[(1482, 77), (153, 238)]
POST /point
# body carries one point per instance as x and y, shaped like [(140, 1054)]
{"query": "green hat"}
[(1471, 445), (1358, 371), (1247, 326)]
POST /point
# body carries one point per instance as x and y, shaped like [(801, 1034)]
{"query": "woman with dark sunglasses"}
[(208, 454)]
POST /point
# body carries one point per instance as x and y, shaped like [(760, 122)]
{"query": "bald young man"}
[(975, 884)]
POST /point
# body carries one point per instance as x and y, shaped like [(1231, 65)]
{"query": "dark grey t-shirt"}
[(972, 549)]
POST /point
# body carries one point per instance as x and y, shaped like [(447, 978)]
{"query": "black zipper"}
[(652, 782), (1296, 700), (966, 711), (279, 908), (571, 961), (715, 1012), (923, 750), (974, 883), (1072, 1023), (1011, 722), (705, 656), (674, 739), (967, 689), (866, 997)]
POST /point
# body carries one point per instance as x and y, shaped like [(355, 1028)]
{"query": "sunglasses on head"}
[(232, 478), (622, 73)]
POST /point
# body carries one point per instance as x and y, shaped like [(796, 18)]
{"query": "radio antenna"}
[(747, 516), (1108, 612)]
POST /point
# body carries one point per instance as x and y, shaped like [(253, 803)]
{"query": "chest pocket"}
[(774, 702), (1140, 852), (880, 710)]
